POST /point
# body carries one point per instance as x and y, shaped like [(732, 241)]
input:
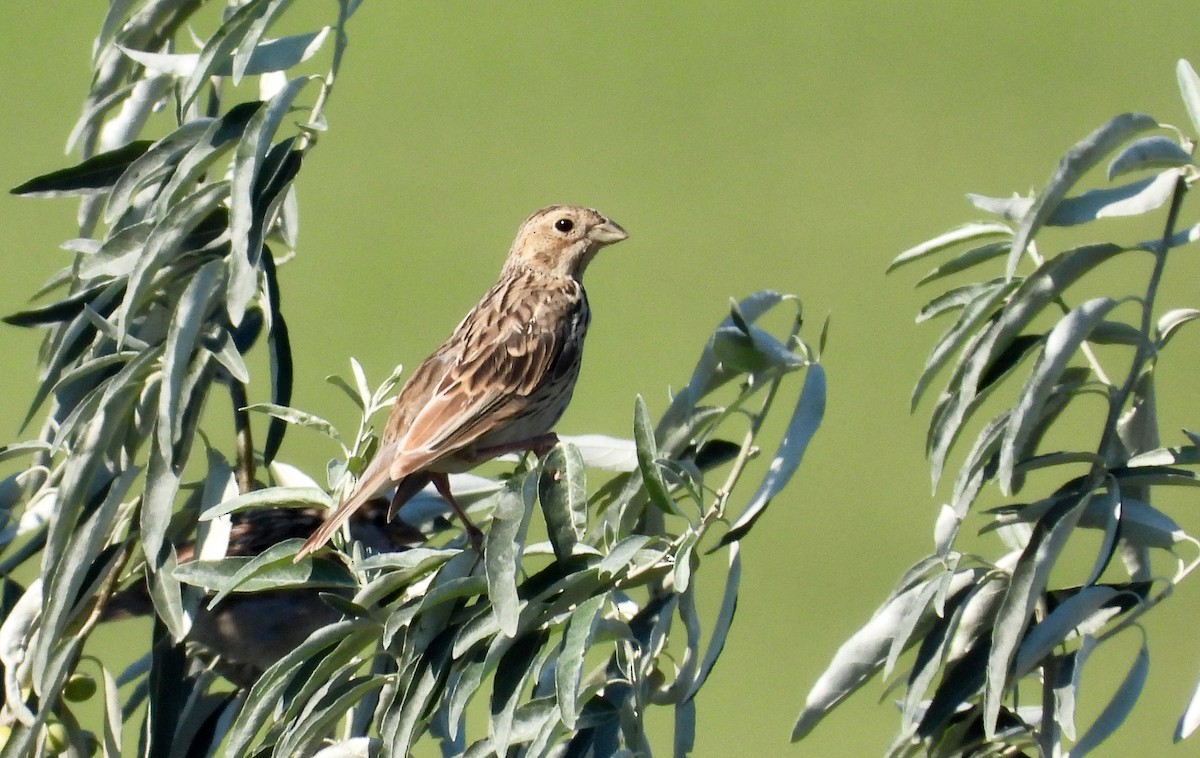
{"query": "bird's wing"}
[(490, 384)]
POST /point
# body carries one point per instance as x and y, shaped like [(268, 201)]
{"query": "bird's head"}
[(563, 239)]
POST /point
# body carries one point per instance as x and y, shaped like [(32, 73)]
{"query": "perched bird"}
[(502, 379)]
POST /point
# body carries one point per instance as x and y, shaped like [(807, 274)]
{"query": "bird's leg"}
[(442, 483), (539, 446)]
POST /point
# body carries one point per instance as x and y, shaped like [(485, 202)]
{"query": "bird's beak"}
[(608, 232)]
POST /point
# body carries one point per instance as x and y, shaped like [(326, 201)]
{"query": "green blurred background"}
[(792, 145)]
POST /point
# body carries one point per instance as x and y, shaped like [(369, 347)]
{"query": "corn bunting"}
[(502, 379)]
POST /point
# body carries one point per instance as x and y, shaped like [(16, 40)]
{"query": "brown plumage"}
[(502, 379)]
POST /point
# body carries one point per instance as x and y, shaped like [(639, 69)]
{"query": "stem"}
[(1145, 348), (339, 48), (1048, 733)]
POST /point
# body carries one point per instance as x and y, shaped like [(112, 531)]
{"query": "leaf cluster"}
[(996, 646), (172, 283)]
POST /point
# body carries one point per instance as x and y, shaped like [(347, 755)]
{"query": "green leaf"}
[(647, 454), (272, 497), (1079, 159), (299, 418), (576, 641), (186, 324), (562, 493), (806, 418), (93, 176), (503, 547), (240, 574)]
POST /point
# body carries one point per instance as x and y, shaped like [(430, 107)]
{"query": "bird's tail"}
[(331, 524)]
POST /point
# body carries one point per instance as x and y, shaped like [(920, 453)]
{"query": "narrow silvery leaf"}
[(1155, 152), (708, 374), (953, 237), (1131, 199), (297, 417), (981, 307), (272, 497), (1189, 88), (264, 697), (1039, 289), (185, 327), (162, 484), (1061, 344), (218, 47), (245, 230), (603, 452), (562, 493), (1079, 159), (806, 418), (1108, 503), (278, 54), (249, 47), (1118, 707), (218, 139), (1011, 208), (969, 259), (1190, 718), (279, 347), (722, 623), (1025, 587), (957, 298), (861, 656), (576, 641), (157, 161), (503, 546), (343, 693), (647, 454), (512, 673), (1060, 624), (1170, 321), (621, 554)]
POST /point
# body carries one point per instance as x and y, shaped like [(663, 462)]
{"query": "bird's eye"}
[(564, 225)]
